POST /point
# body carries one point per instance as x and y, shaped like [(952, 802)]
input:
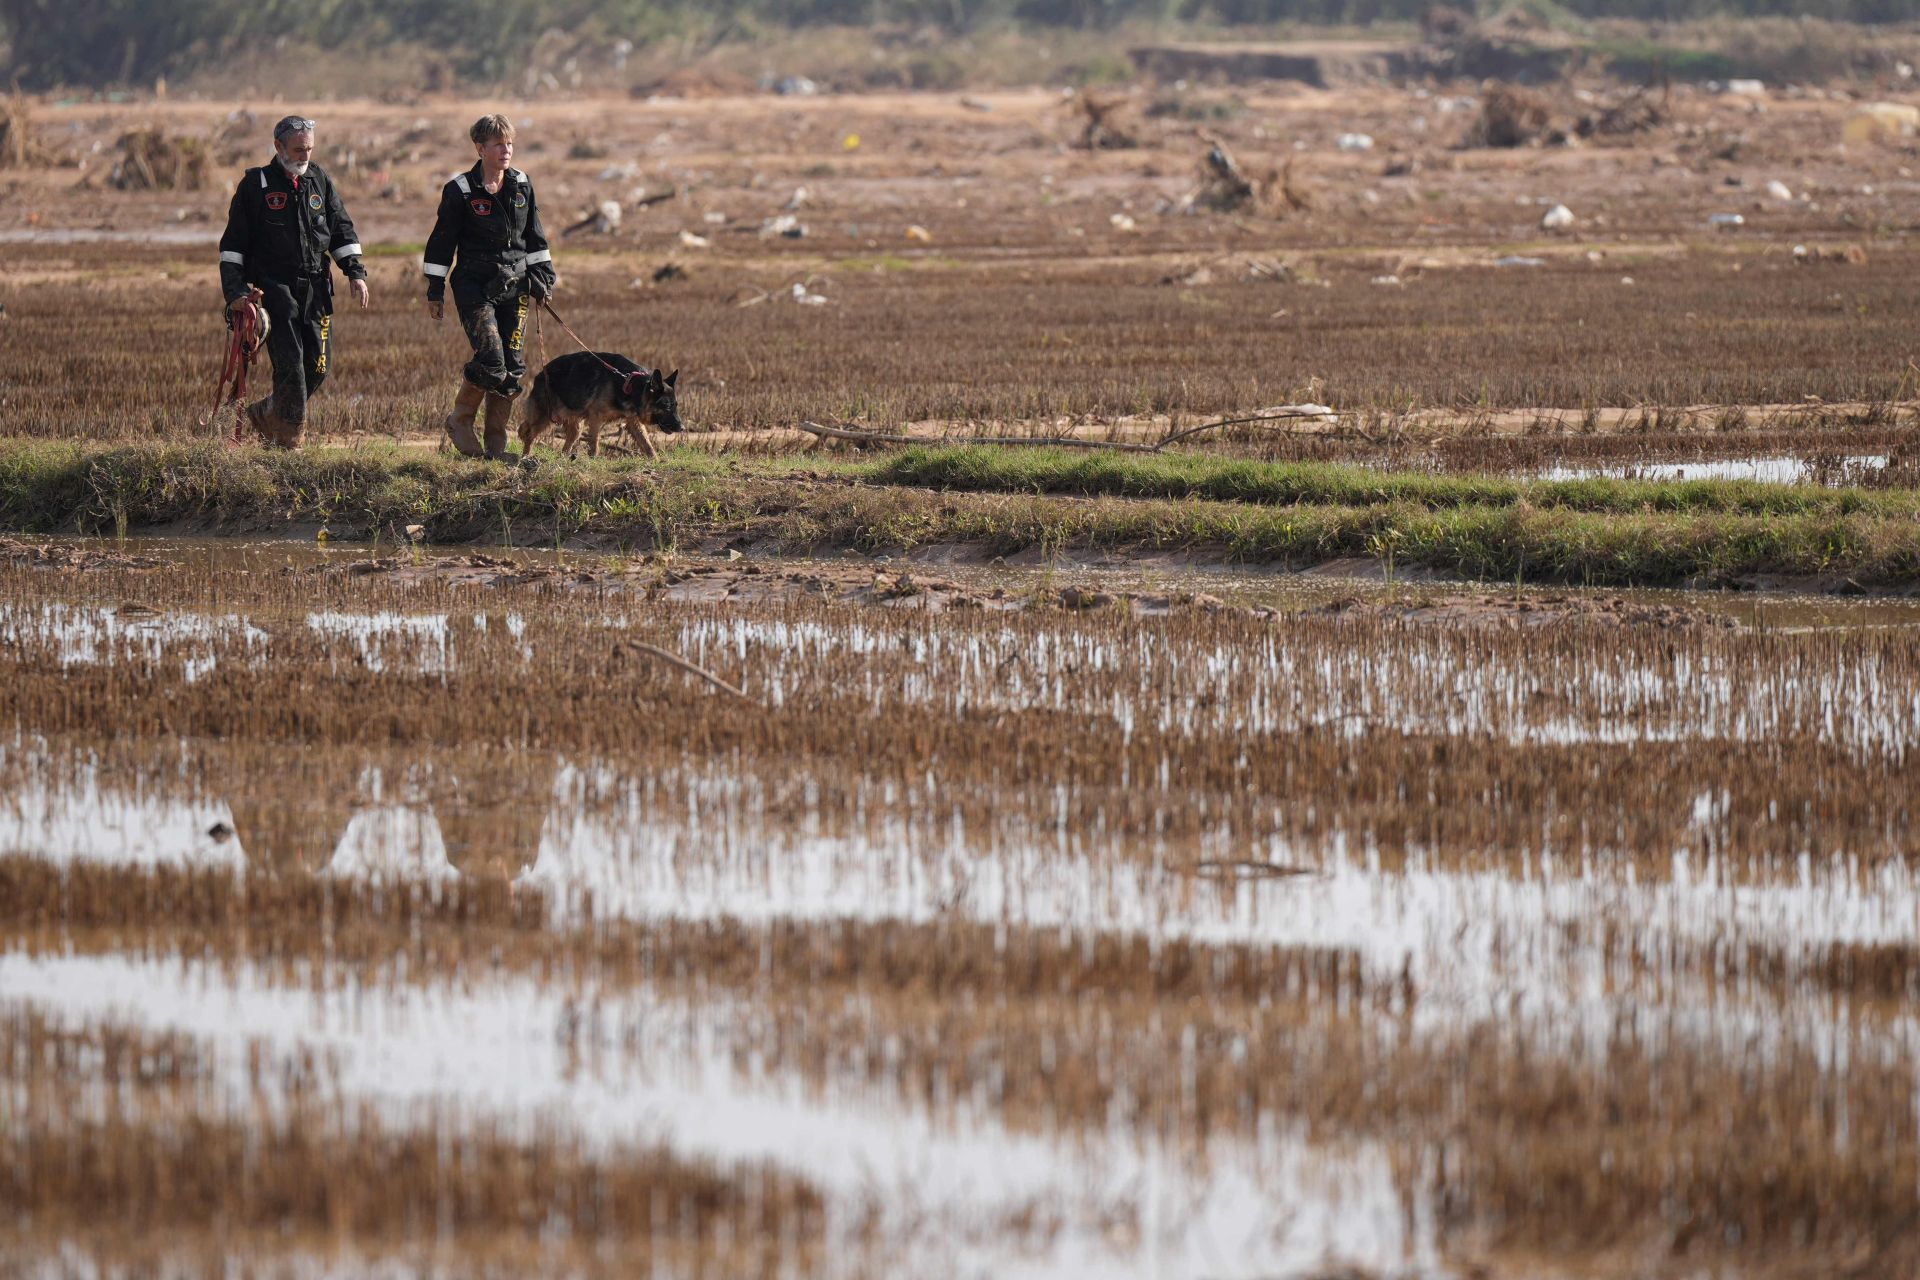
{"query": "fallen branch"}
[(883, 437), (1067, 442), (1173, 436), (674, 659)]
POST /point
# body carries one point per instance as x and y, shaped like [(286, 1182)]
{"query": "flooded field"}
[(401, 918)]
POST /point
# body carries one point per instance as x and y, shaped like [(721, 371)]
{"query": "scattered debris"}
[(667, 272), (1882, 122), (17, 148), (1747, 88), (785, 225), (688, 240), (1231, 267), (975, 104), (919, 234), (603, 221), (1510, 116), (799, 197), (1391, 282), (1638, 112), (1122, 222), (1226, 188), (1726, 221), (1244, 869), (1104, 127), (794, 87), (1558, 218), (1779, 190), (151, 161), (1852, 255), (806, 297), (1518, 260), (1354, 142)]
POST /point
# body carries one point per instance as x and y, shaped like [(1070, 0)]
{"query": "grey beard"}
[(297, 170)]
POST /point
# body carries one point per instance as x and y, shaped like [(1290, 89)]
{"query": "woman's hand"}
[(436, 307)]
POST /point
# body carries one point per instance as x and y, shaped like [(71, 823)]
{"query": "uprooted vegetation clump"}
[(152, 160)]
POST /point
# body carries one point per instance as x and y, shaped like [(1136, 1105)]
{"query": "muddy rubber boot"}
[(499, 409), (460, 422)]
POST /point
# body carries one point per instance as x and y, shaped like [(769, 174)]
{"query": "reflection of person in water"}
[(441, 821)]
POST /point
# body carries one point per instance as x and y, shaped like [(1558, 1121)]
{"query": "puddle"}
[(1765, 470), (495, 1050)]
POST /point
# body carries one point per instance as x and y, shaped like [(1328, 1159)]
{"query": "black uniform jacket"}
[(496, 236), (279, 235)]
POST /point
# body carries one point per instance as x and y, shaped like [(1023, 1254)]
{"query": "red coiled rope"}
[(248, 326)]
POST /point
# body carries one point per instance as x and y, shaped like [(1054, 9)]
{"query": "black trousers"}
[(497, 331), (299, 342)]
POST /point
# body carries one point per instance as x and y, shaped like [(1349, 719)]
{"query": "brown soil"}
[(748, 582), (1474, 607)]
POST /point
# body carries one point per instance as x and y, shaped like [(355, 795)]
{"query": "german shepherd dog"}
[(581, 390)]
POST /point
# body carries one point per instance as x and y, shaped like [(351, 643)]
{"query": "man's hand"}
[(239, 302), (436, 307), (360, 295)]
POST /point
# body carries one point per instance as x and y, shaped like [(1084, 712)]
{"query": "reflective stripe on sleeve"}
[(346, 251), (545, 255), (237, 259), (263, 179), (434, 269), (460, 181)]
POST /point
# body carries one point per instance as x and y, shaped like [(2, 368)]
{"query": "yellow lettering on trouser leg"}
[(515, 342), (326, 329)]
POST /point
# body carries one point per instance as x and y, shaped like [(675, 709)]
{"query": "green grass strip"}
[(1482, 531), (1131, 475)]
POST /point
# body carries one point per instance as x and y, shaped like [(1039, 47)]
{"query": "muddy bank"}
[(64, 555), (745, 581), (1476, 607)]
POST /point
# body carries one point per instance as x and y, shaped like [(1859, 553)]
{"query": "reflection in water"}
[(1764, 470), (392, 843), (1538, 941), (75, 818), (1272, 1205)]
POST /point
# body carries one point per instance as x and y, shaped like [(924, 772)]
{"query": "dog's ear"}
[(659, 383), (672, 376)]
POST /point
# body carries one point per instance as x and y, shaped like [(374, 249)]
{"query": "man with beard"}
[(285, 229)]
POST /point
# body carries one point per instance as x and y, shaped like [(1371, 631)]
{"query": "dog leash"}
[(626, 379), (242, 347)]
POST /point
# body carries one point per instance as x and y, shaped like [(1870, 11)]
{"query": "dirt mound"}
[(62, 555), (1527, 610)]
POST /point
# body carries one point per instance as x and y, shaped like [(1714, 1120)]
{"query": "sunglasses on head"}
[(292, 124)]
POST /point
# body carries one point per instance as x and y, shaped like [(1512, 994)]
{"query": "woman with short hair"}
[(487, 241)]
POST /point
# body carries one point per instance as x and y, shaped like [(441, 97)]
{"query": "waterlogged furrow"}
[(1048, 942), (1516, 687), (627, 1069)]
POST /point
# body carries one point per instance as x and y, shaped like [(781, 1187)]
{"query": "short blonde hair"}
[(487, 128)]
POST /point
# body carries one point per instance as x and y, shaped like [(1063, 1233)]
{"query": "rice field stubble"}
[(1341, 902)]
